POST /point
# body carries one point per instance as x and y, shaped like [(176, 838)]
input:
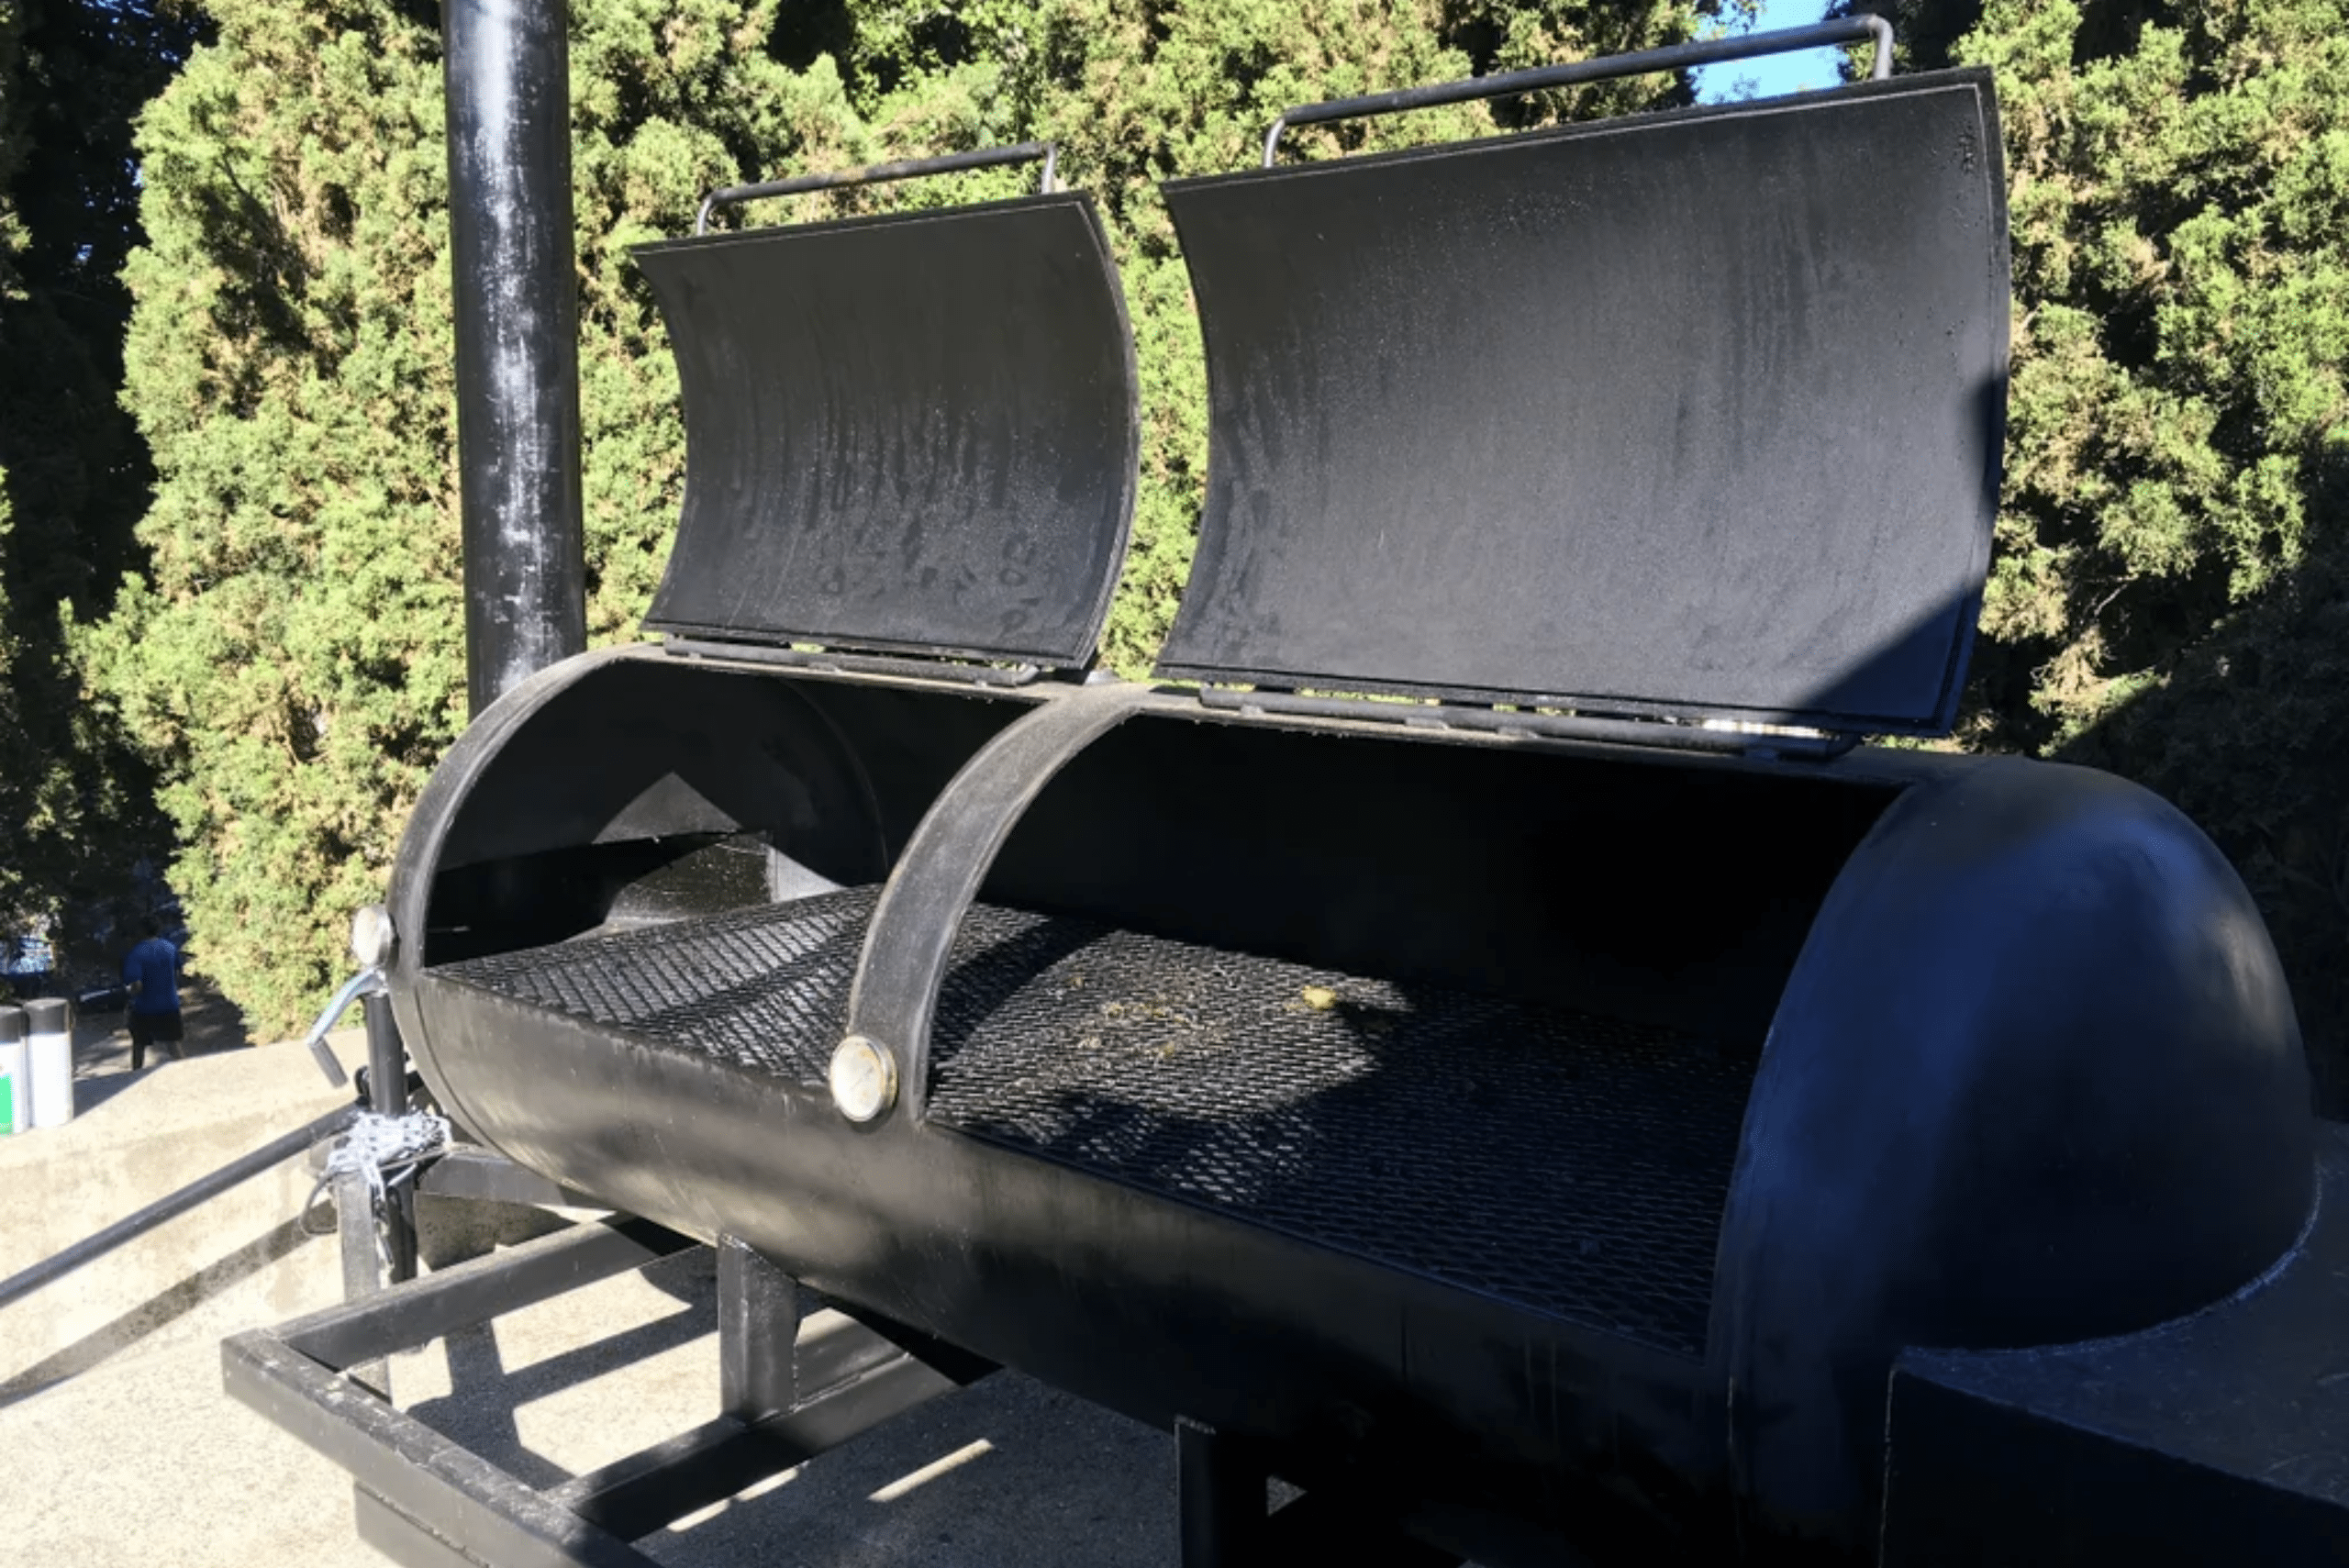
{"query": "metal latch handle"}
[(879, 173), (366, 983), (1678, 57)]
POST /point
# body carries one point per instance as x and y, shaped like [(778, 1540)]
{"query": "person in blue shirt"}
[(151, 970)]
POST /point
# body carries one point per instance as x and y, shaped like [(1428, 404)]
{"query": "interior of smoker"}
[(1304, 977)]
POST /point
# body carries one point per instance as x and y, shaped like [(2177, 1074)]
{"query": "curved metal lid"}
[(913, 433), (1694, 413)]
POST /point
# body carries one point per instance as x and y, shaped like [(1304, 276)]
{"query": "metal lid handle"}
[(880, 173), (1844, 29)]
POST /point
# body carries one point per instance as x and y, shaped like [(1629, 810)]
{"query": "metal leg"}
[(363, 1273), (398, 1220), (758, 1320), (377, 1240), (387, 1095), (1222, 1499)]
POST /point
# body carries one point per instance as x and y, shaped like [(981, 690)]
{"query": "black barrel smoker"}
[(1494, 1050)]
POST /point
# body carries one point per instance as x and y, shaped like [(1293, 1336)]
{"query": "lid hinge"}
[(1715, 736), (832, 661)]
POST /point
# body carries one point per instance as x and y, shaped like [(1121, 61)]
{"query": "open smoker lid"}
[(1695, 413), (910, 433)]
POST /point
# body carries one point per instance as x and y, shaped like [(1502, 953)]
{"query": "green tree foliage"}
[(294, 654), (75, 810), (2167, 596), (2182, 272), (14, 805)]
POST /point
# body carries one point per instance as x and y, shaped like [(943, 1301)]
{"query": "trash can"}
[(49, 1047), (16, 1086)]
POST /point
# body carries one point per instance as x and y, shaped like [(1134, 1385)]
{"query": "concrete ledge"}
[(237, 1261)]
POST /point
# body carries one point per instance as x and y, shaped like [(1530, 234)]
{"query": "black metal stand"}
[(1221, 1498), (377, 1240), (790, 1388), (388, 1095)]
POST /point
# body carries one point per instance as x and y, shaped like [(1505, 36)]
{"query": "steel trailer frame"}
[(792, 1384), (428, 1502)]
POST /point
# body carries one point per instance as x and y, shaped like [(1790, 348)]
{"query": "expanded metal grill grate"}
[(765, 988), (1571, 1164)]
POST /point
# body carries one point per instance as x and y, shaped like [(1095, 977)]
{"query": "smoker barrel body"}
[(1555, 1140), (1457, 1233)]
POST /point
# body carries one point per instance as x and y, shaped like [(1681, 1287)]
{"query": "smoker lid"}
[(1695, 413), (911, 433)]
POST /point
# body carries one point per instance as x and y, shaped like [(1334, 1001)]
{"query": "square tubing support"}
[(757, 1349), (377, 1238), (1220, 1499), (429, 1502), (363, 1265), (387, 1093)]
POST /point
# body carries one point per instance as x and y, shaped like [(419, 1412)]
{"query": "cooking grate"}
[(1571, 1164)]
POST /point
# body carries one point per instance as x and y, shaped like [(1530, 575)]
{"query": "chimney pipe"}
[(507, 72)]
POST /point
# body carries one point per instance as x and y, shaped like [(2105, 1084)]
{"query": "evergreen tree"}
[(2173, 547), (15, 807), (294, 655), (76, 809)]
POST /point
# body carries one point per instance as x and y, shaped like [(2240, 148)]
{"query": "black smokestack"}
[(508, 74)]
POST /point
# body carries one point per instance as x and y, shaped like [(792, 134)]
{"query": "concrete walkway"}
[(147, 1461), (119, 1444), (238, 1260)]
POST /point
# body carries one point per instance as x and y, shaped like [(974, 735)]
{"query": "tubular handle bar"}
[(1678, 57), (202, 1190), (880, 173)]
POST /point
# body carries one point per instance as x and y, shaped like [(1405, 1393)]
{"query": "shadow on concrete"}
[(479, 1414), (1005, 1471), (165, 1306), (211, 1024), (92, 1090)]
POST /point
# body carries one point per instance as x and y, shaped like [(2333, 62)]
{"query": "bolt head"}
[(371, 939), (864, 1078)]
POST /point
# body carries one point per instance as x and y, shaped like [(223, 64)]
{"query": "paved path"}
[(146, 1461), (139, 1457)]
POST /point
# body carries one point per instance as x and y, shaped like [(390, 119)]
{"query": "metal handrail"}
[(879, 173), (1678, 57), (275, 1151)]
